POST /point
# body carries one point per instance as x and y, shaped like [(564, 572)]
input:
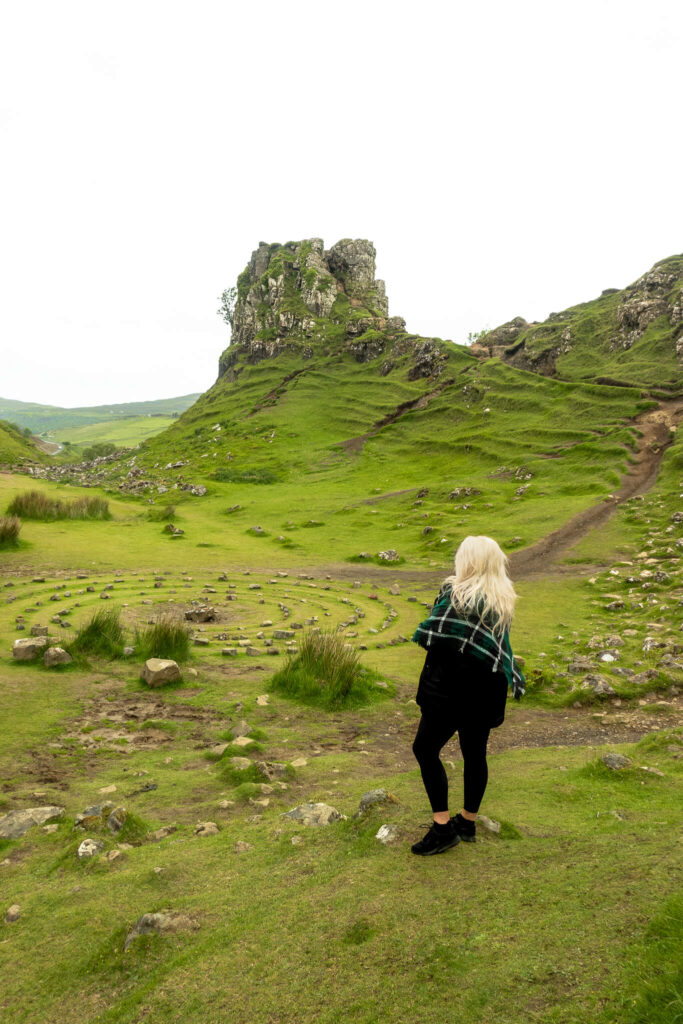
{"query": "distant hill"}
[(40, 418)]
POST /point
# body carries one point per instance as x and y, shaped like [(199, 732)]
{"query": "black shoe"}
[(466, 830), (436, 840)]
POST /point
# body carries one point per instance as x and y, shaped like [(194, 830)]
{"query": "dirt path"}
[(656, 437)]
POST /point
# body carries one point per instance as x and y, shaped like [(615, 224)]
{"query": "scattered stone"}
[(616, 761), (113, 855), (203, 614), (56, 656), (240, 764), (489, 824), (242, 847), (107, 789), (299, 762), (16, 823), (263, 700), (159, 671), (652, 771), (372, 798), (161, 833), (206, 828), (89, 847), (38, 630), (314, 814), (387, 834), (599, 685), (162, 923), (13, 913)]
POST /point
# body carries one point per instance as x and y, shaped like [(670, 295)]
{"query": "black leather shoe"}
[(436, 841), (465, 829)]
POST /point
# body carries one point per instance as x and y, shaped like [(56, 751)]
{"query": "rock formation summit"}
[(299, 294)]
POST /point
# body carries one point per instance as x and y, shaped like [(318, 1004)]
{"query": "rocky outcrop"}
[(612, 325), (292, 295), (644, 301)]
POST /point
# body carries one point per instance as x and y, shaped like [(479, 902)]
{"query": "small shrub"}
[(102, 635), (165, 638), (162, 514), (326, 673), (9, 531), (36, 505)]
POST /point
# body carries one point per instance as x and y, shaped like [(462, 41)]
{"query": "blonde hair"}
[(481, 584)]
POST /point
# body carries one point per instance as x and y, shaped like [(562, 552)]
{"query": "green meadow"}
[(567, 915)]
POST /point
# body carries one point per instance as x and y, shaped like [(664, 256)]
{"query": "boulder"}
[(16, 823), (616, 761), (599, 685), (314, 814), (204, 614), (29, 647), (160, 671), (56, 656)]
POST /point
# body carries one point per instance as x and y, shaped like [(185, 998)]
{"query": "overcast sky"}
[(505, 158)]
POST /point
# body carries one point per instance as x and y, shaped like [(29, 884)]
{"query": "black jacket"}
[(462, 685)]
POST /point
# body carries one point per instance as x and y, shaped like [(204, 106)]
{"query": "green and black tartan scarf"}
[(444, 624)]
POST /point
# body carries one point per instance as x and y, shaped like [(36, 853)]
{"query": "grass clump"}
[(326, 672), (36, 505), (9, 531), (102, 635), (162, 514), (164, 638)]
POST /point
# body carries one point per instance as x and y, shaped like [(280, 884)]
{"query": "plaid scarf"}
[(475, 635)]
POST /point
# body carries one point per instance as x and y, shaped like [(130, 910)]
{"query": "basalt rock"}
[(290, 296)]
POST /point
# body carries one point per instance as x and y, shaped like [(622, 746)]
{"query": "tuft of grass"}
[(164, 638), (162, 514), (9, 531), (36, 505), (102, 635), (326, 673), (358, 932)]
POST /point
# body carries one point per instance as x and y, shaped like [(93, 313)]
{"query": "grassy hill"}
[(630, 336), (16, 447)]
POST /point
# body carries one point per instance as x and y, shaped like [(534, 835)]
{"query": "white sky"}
[(505, 158)]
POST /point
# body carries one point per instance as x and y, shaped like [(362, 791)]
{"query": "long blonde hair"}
[(481, 584)]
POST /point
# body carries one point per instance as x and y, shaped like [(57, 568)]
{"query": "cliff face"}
[(299, 294)]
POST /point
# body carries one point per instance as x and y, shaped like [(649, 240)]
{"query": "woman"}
[(464, 682)]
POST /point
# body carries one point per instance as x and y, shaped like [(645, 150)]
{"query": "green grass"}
[(165, 638), (326, 672), (102, 636)]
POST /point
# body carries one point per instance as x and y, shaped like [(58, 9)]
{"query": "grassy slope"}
[(651, 360), (15, 449)]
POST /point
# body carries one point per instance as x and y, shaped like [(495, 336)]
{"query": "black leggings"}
[(434, 731)]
